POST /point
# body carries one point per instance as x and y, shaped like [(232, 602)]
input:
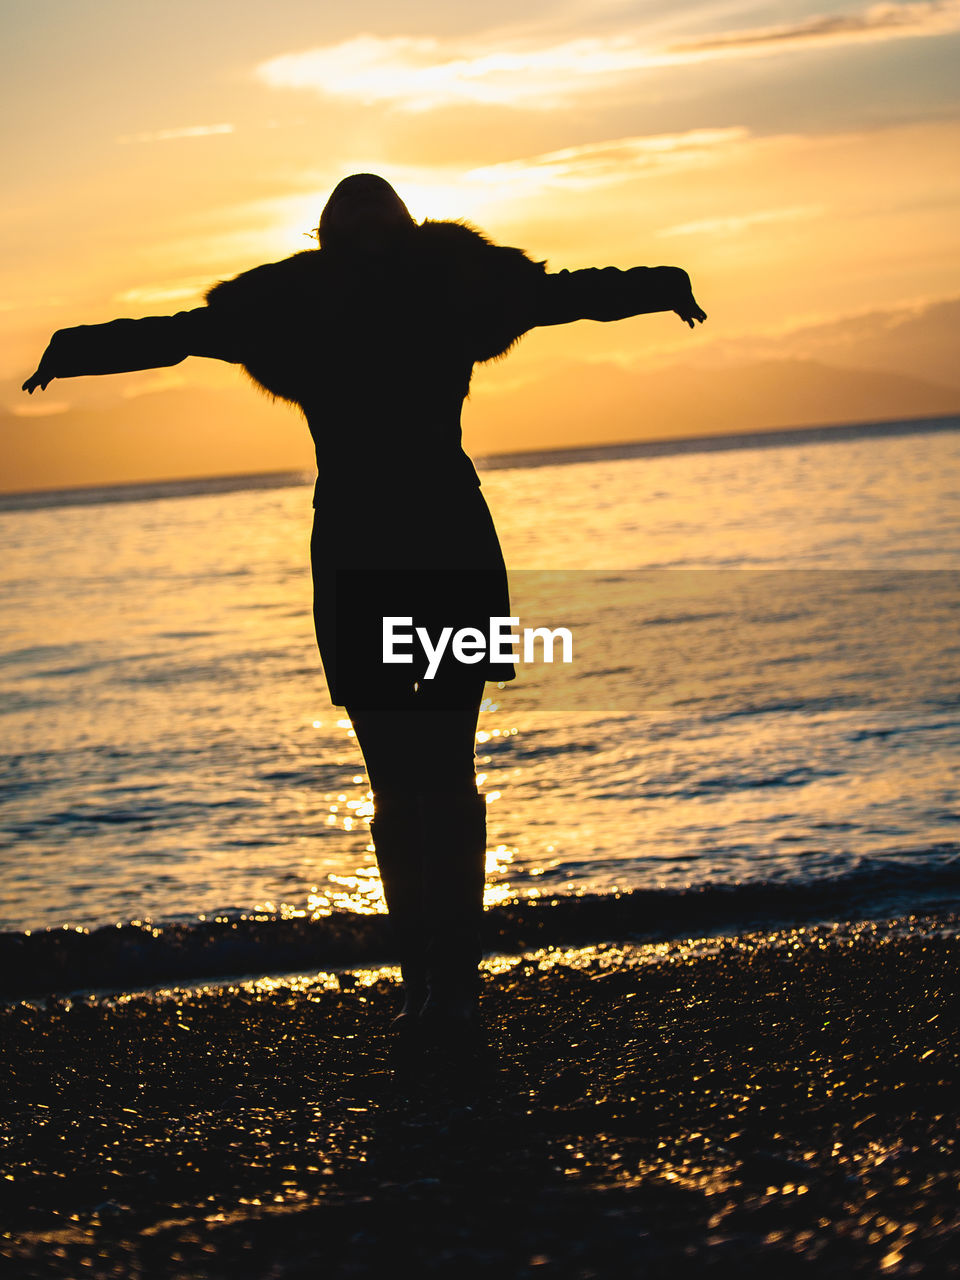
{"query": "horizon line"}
[(664, 446)]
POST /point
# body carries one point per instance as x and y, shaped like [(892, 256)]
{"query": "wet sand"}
[(769, 1103)]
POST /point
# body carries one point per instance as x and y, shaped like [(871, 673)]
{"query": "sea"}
[(759, 724)]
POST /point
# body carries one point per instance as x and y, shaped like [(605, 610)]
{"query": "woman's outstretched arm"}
[(606, 293), (122, 346)]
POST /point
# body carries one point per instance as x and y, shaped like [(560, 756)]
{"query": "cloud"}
[(597, 164), (879, 22), (193, 288), (424, 73), (152, 381), (447, 190), (168, 135), (736, 223), (418, 74), (40, 408)]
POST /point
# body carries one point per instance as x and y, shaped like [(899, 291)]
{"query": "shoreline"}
[(774, 1099), (147, 953)]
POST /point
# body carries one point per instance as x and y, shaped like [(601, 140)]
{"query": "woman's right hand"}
[(38, 379), (44, 374)]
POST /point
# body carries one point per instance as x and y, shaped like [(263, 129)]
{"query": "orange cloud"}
[(736, 223), (597, 164), (189, 290), (168, 135), (880, 22)]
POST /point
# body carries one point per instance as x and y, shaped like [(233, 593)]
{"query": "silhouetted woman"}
[(374, 335)]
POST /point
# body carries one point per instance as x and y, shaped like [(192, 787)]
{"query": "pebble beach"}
[(768, 1101)]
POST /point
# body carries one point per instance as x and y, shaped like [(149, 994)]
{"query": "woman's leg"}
[(383, 737), (453, 823), (429, 834)]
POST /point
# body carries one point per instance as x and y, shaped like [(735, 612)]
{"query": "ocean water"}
[(765, 703)]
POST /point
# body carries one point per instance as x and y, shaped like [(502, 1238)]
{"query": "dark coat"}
[(378, 352)]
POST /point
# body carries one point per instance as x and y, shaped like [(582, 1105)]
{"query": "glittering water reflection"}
[(170, 754)]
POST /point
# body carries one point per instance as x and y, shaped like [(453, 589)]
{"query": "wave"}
[(133, 956)]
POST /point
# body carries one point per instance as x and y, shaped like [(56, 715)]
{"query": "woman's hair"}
[(363, 212)]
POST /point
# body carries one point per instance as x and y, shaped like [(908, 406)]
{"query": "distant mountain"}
[(165, 435), (919, 341), (584, 403)]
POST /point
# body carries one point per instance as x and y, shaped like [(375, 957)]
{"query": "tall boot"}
[(397, 842), (454, 866)]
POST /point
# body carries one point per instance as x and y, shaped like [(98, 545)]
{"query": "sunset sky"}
[(798, 157)]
